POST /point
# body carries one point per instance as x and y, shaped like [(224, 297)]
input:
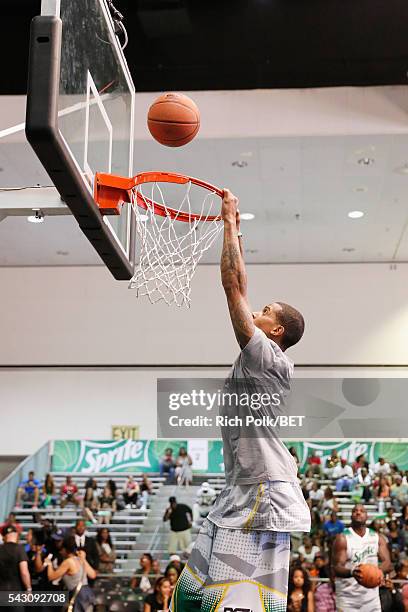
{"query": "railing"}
[(39, 463)]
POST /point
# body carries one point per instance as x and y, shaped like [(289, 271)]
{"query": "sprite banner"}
[(93, 456)]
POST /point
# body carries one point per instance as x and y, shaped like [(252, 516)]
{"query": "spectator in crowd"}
[(69, 493), (382, 468), (75, 571), (156, 567), (331, 463), (307, 551), (206, 496), (175, 561), (86, 543), (300, 594), (323, 594), (28, 491), (168, 466), (184, 473), (144, 580), (106, 551), (91, 500), (343, 475), (377, 525), (107, 506), (131, 492), (146, 489), (399, 492), (363, 478), (329, 502), (294, 454), (395, 540), (11, 520), (390, 598), (333, 526), (159, 601), (359, 464), (14, 574), (48, 495), (404, 516), (316, 496), (172, 575), (180, 517), (383, 490), (315, 463), (113, 487)]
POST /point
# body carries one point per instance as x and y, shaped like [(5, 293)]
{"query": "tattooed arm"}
[(233, 273)]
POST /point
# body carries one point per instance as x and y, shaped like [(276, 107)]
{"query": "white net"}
[(169, 248)]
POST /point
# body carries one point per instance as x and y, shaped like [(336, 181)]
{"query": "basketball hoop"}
[(172, 239)]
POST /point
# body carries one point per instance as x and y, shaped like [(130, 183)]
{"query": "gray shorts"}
[(235, 569)]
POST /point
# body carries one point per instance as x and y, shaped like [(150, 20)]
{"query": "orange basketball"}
[(372, 575), (173, 119)]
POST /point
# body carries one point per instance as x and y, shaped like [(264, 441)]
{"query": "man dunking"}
[(240, 559), (353, 547)]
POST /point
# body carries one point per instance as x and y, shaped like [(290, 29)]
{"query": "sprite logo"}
[(87, 456)]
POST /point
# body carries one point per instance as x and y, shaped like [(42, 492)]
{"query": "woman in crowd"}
[(107, 506), (364, 480), (383, 490), (184, 473), (329, 503), (172, 575), (91, 500), (395, 540), (307, 551), (146, 489), (48, 494), (159, 601), (131, 492), (74, 572), (145, 581), (324, 598), (106, 551), (300, 595)]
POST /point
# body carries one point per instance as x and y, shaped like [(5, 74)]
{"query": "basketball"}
[(372, 575), (173, 119)]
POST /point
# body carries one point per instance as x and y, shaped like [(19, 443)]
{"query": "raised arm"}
[(233, 273)]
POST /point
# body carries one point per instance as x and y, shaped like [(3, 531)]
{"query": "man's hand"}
[(358, 574), (229, 210)]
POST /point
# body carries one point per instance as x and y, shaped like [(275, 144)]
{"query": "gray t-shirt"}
[(262, 491)]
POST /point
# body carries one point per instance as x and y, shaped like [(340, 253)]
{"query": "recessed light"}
[(366, 161), (63, 253), (247, 216), (246, 154), (356, 214), (240, 163), (38, 217), (348, 249), (360, 189)]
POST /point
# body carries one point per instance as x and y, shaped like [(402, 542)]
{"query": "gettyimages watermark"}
[(312, 408)]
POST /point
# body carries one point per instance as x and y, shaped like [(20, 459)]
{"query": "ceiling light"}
[(247, 216), (63, 253), (240, 163), (348, 249), (360, 189), (356, 214), (366, 161), (38, 217), (246, 154)]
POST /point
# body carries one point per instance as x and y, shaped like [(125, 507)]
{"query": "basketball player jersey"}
[(350, 595)]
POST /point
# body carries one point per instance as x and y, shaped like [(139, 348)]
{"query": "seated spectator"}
[(294, 454), (11, 520), (377, 525), (315, 463), (107, 506), (172, 574), (131, 492), (69, 493), (383, 490), (145, 581), (396, 542), (316, 496), (206, 496), (156, 567), (390, 515), (324, 598), (48, 495), (113, 487), (307, 551), (91, 500), (184, 473), (300, 594), (329, 501), (28, 491), (399, 492), (390, 598), (175, 561), (333, 526), (343, 475), (74, 572), (106, 551), (404, 516), (146, 489), (331, 463), (363, 478), (159, 601), (382, 468), (168, 466)]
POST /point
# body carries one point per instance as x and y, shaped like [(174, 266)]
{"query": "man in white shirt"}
[(382, 468), (343, 475)]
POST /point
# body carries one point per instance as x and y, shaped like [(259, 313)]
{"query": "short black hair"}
[(293, 322)]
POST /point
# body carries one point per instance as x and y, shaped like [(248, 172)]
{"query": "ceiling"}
[(240, 44), (299, 189)]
